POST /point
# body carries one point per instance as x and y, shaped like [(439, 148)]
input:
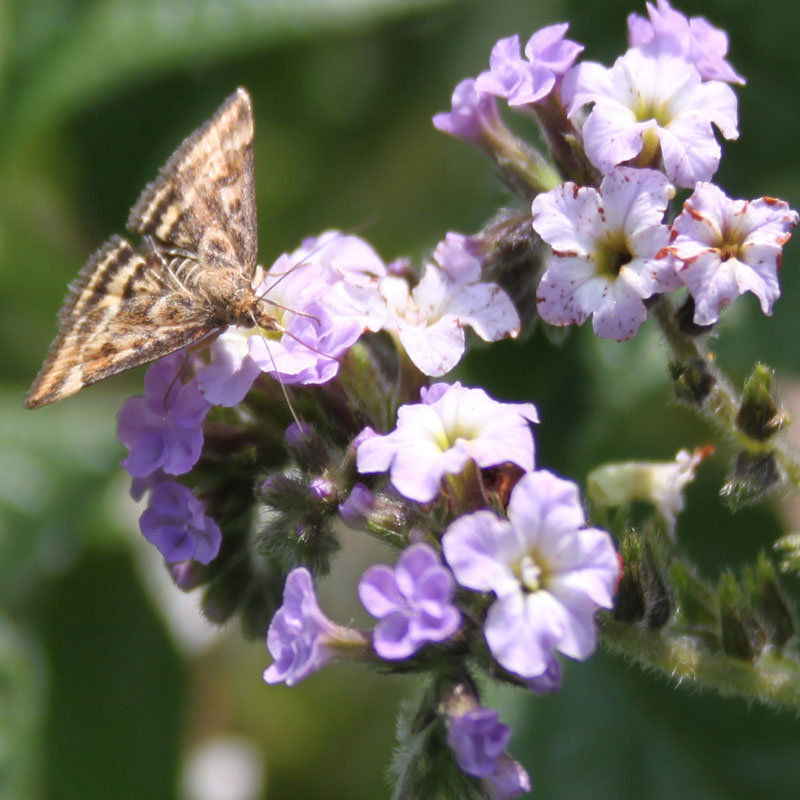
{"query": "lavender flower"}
[(322, 302), (413, 602), (478, 740), (698, 41), (549, 573), (163, 429), (473, 117), (729, 247), (652, 100), (176, 523), (549, 681), (429, 320), (523, 81), (609, 250), (356, 506), (231, 372), (301, 638), (452, 425)]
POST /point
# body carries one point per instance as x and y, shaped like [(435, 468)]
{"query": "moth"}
[(192, 274)]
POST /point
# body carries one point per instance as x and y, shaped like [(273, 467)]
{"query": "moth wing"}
[(203, 201), (119, 314)]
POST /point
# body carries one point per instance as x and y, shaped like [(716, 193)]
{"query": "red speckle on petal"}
[(692, 212)]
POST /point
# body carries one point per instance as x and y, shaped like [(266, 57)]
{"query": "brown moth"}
[(192, 274)]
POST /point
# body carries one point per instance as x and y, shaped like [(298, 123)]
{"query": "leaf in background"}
[(112, 41), (55, 469), (21, 676)]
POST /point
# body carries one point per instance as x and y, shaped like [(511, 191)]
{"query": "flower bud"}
[(765, 594), (758, 415), (742, 634), (692, 380), (753, 474)]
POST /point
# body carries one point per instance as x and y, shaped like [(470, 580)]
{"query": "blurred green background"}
[(110, 689)]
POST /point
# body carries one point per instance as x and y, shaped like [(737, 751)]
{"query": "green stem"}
[(721, 405), (771, 679)]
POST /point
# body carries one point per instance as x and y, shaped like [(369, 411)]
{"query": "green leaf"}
[(110, 42), (20, 714)]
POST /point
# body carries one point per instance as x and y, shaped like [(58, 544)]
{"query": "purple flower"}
[(512, 77), (231, 373), (357, 506), (438, 437), (549, 681), (412, 601), (652, 100), (609, 251), (301, 638), (322, 489), (309, 350), (522, 81), (429, 320), (699, 42), (549, 48), (549, 573), (729, 247), (473, 117), (176, 523), (322, 297), (164, 428), (478, 740)]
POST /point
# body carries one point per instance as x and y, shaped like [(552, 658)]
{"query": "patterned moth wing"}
[(202, 204), (192, 275), (119, 313)]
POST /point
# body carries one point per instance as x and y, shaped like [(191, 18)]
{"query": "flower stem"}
[(772, 678)]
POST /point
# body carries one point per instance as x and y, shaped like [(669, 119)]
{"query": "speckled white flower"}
[(729, 247), (609, 251)]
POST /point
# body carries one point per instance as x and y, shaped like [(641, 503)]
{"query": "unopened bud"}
[(753, 474), (742, 634), (758, 415)]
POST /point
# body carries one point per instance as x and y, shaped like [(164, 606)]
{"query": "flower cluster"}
[(645, 125), (498, 567)]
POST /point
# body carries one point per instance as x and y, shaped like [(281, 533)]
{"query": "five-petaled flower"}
[(729, 247), (549, 573), (652, 102), (439, 436), (609, 251), (164, 428), (176, 523), (413, 602), (429, 320), (698, 41), (521, 81)]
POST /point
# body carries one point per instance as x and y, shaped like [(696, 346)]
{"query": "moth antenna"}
[(275, 367), (172, 382), (276, 304)]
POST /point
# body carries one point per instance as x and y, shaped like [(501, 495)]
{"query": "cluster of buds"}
[(497, 569)]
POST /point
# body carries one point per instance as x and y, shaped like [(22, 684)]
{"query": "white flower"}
[(658, 482), (652, 96), (609, 251)]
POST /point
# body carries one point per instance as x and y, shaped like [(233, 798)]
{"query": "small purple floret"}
[(473, 116), (164, 428), (297, 634), (478, 740), (176, 523), (413, 602)]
